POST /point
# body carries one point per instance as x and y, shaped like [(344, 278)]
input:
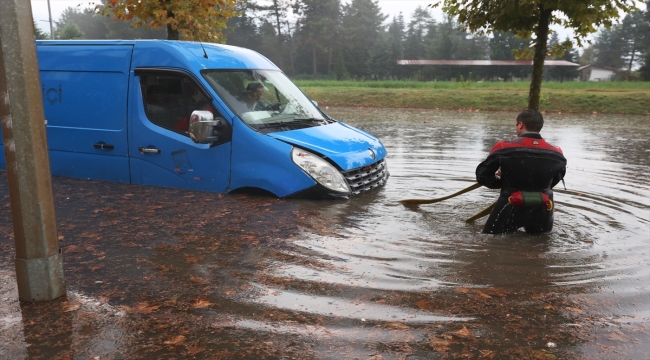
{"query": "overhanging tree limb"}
[(200, 20)]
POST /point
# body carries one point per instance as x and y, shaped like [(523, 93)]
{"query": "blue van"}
[(198, 116)]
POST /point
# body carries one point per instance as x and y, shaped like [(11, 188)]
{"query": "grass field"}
[(579, 97)]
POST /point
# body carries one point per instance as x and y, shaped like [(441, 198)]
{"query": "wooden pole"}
[(39, 264)]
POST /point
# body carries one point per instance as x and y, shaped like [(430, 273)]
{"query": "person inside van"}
[(194, 100), (253, 95)]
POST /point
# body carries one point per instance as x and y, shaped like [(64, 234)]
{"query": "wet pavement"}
[(157, 273)]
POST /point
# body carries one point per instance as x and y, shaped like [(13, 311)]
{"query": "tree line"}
[(331, 39)]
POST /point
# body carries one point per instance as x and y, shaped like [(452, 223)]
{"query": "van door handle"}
[(103, 146), (149, 150)]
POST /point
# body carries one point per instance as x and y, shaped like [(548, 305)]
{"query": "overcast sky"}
[(388, 7)]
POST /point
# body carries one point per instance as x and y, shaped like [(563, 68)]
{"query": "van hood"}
[(348, 147)]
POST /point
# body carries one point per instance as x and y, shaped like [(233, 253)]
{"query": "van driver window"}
[(169, 100)]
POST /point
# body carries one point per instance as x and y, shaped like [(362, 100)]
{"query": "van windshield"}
[(266, 100)]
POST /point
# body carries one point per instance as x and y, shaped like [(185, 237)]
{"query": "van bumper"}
[(359, 180)]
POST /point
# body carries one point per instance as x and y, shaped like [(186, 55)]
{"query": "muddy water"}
[(164, 273)]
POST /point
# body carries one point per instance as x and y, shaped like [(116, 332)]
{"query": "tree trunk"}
[(313, 58), (172, 34), (538, 60), (329, 58), (629, 67), (293, 70), (277, 21)]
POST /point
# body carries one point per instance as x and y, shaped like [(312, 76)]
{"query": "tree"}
[(609, 48), (95, 26), (201, 20), (39, 34), (566, 72), (278, 12), (588, 56), (504, 46), (70, 32), (318, 29), (421, 21), (361, 24), (634, 31), (242, 29), (396, 36), (339, 68), (414, 44), (533, 18), (644, 71), (379, 56)]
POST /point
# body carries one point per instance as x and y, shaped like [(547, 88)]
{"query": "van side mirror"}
[(203, 127), (315, 103)]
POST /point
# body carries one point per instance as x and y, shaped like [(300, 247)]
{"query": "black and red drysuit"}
[(528, 164)]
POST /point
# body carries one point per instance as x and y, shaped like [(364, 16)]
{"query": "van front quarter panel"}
[(265, 163)]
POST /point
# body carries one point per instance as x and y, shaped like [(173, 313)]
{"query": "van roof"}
[(182, 54)]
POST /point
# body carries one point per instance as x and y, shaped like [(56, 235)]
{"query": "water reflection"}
[(201, 275)]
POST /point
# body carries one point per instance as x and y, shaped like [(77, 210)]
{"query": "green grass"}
[(481, 85), (580, 97)]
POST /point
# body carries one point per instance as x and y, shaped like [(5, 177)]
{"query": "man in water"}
[(525, 169)]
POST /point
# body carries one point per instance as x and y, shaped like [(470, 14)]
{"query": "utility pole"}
[(39, 263), (49, 11)]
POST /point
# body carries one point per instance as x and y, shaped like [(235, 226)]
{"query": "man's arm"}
[(485, 172), (558, 177)]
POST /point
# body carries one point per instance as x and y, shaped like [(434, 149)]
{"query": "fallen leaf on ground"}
[(397, 326), (618, 336), (488, 354), (440, 345), (96, 267), (482, 294), (201, 304), (175, 340), (72, 307), (144, 308), (464, 333), (198, 280), (424, 305), (193, 350), (72, 249)]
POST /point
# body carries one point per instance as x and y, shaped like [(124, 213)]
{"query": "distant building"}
[(597, 73)]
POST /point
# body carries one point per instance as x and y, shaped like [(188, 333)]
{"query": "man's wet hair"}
[(532, 119)]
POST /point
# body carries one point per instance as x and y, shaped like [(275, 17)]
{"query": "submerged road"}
[(167, 273)]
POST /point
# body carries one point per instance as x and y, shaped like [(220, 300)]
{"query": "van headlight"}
[(320, 170)]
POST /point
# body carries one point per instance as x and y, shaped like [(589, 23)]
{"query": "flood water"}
[(168, 273)]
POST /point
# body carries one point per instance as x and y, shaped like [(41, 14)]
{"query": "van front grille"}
[(367, 177)]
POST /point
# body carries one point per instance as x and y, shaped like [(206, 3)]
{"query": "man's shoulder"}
[(525, 143)]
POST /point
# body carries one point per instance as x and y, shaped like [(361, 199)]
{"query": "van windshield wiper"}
[(306, 122), (311, 121)]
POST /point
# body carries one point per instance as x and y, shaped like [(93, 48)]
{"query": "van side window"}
[(169, 100)]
